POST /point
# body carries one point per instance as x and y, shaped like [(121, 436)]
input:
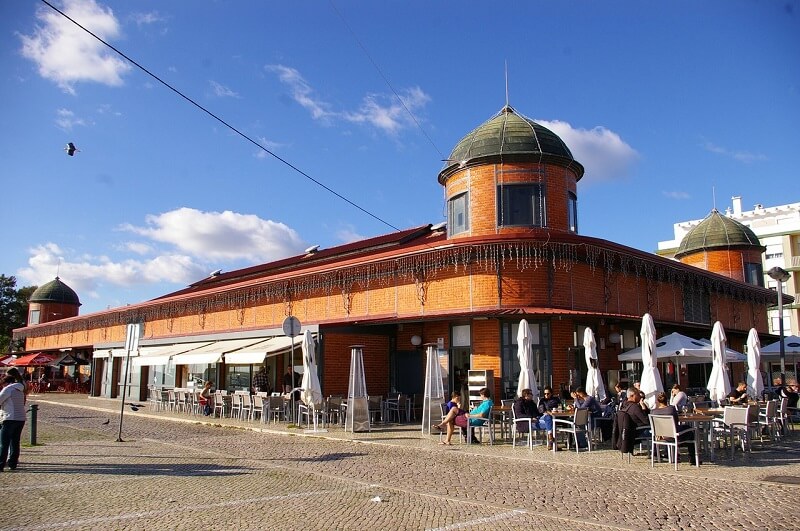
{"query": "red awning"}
[(32, 360)]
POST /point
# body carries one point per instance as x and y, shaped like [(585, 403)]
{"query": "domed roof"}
[(718, 231), (510, 137), (55, 291)]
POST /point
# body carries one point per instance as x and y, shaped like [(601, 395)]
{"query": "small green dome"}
[(55, 291), (509, 137), (718, 231)]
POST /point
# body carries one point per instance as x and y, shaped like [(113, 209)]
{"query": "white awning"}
[(213, 353), (255, 354), (160, 355), (121, 353), (101, 353)]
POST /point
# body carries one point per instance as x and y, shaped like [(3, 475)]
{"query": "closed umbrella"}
[(755, 385), (594, 381), (525, 356), (650, 383), (434, 390), (310, 389), (718, 383)]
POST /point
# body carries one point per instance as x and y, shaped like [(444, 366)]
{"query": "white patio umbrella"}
[(525, 356), (754, 382), (594, 381), (791, 347), (310, 389), (650, 384), (718, 383), (434, 390)]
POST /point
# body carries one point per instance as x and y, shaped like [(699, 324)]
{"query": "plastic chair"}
[(578, 424), (769, 421), (665, 433), (516, 422), (258, 407), (276, 409), (245, 406), (220, 402)]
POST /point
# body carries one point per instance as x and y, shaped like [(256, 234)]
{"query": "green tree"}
[(13, 309)]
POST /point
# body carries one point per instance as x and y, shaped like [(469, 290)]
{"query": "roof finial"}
[(714, 198), (506, 62)]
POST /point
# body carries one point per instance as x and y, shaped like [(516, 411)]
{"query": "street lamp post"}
[(780, 275)]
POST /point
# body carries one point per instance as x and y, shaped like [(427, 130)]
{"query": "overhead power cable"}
[(220, 120)]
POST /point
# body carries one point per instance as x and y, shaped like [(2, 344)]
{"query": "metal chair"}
[(276, 409), (481, 423), (532, 426), (258, 407), (578, 425), (220, 402), (398, 408), (245, 406), (236, 405), (769, 421), (665, 433)]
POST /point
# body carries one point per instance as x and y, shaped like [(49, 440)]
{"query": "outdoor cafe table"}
[(502, 415)]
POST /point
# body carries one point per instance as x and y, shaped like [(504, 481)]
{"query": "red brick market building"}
[(510, 249)]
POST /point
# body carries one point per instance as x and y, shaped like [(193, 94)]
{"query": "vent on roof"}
[(312, 249), (215, 273), (438, 226)]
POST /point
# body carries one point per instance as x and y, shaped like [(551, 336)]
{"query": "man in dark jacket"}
[(629, 417)]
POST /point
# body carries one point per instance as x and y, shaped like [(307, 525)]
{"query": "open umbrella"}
[(650, 383), (594, 381), (33, 360), (434, 389), (525, 356), (718, 383), (682, 349), (754, 382)]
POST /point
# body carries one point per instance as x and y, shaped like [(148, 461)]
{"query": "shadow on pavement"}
[(138, 469), (329, 457)]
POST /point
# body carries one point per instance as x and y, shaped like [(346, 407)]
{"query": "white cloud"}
[(225, 235), (348, 234), (222, 91), (604, 155), (178, 247), (381, 111), (66, 54), (66, 119), (302, 92), (268, 144), (676, 195), (152, 17), (742, 156), (85, 274), (387, 113)]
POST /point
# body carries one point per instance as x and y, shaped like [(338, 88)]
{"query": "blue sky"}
[(666, 104)]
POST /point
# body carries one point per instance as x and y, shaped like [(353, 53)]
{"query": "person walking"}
[(12, 407)]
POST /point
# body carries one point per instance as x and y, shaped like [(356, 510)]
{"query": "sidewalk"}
[(770, 459)]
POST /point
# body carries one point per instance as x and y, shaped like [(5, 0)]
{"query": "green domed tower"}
[(51, 302), (510, 175), (725, 246)]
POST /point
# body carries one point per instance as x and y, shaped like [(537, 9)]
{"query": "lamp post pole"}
[(780, 276)]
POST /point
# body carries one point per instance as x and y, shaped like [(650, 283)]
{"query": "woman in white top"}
[(12, 403), (679, 398)]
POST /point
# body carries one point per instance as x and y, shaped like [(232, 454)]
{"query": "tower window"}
[(572, 211), (521, 205), (457, 214), (754, 274), (33, 317)]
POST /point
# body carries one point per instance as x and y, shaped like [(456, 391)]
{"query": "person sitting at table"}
[(452, 410), (679, 398), (548, 403), (622, 392), (663, 407), (629, 418), (738, 395), (476, 417), (479, 415), (526, 408), (789, 392), (582, 400), (207, 398)]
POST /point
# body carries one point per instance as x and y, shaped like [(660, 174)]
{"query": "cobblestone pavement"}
[(177, 471)]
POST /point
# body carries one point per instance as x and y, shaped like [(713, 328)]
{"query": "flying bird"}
[(71, 149)]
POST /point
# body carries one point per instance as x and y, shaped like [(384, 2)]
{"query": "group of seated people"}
[(457, 415)]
